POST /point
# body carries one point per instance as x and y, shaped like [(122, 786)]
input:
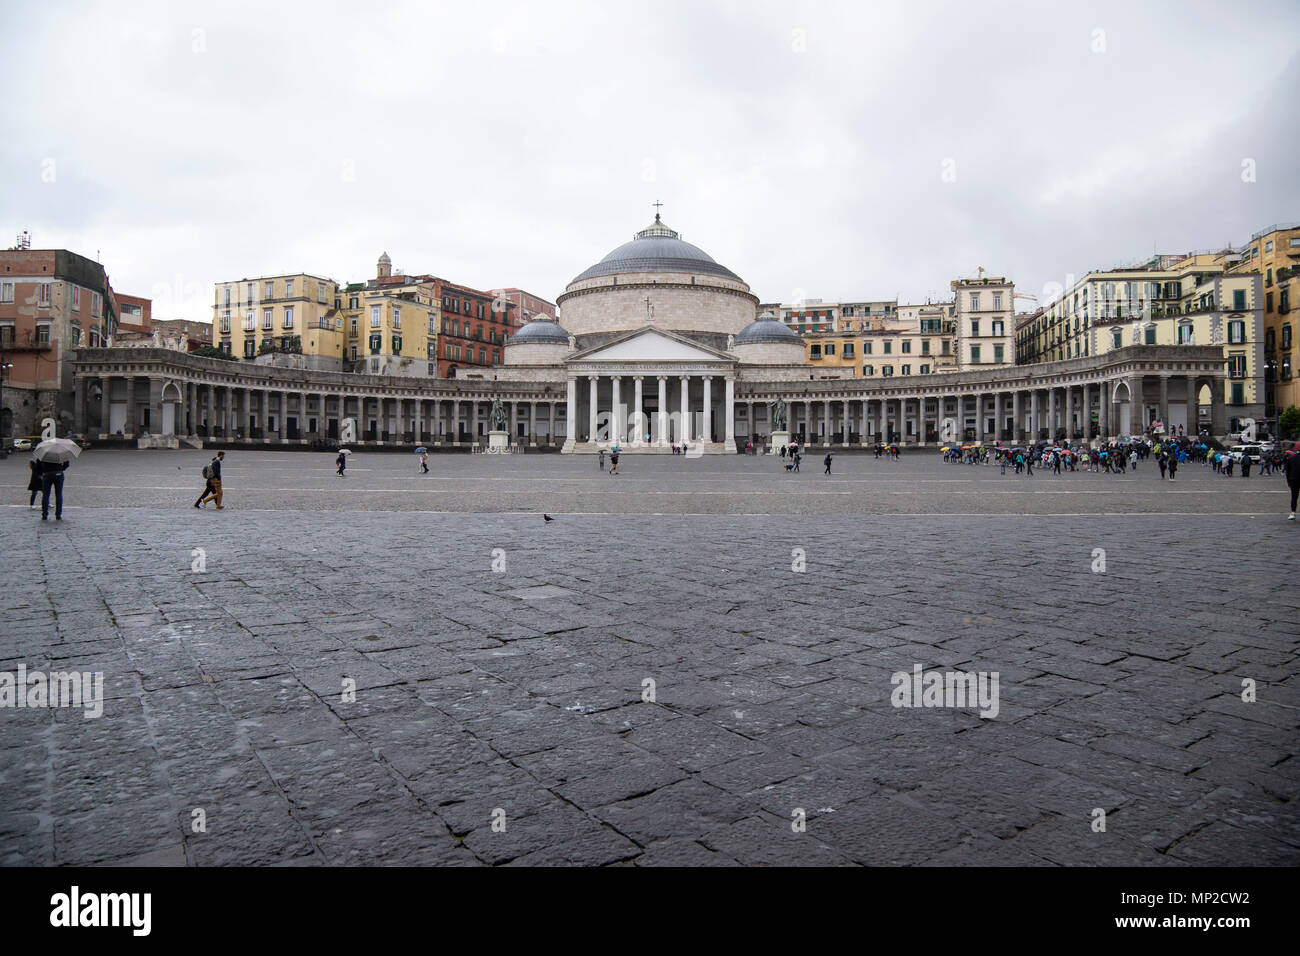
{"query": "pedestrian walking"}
[(424, 461), (342, 462), (783, 452), (51, 473), (1291, 468), (1163, 465), (1245, 466), (1173, 466), (34, 482), (613, 462), (212, 472), (827, 462), (600, 458), (797, 458)]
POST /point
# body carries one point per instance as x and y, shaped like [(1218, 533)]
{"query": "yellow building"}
[(1275, 254), (391, 331), (290, 313), (1213, 309)]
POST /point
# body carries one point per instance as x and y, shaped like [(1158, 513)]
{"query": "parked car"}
[(24, 444), (1238, 452)]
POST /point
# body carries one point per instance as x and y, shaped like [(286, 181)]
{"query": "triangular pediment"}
[(651, 345)]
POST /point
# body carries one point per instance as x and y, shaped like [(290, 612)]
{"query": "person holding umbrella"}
[(424, 460), (52, 458)]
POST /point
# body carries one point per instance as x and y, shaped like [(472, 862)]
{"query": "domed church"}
[(653, 339)]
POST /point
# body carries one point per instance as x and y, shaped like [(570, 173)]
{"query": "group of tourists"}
[(791, 456), (889, 451)]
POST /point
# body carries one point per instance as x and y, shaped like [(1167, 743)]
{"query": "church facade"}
[(657, 345)]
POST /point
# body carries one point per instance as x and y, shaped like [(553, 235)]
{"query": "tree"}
[(1288, 422)]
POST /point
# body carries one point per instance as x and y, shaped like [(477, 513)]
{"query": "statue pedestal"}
[(498, 443), (776, 440)]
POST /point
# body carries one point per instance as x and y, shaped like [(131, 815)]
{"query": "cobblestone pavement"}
[(518, 695)]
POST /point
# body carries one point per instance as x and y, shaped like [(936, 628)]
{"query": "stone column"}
[(532, 423), (862, 432), (550, 425), (616, 432), (706, 431), (473, 421), (686, 408), (638, 416), (1164, 401), (1033, 415), (807, 422), (729, 397), (591, 412), (1193, 409), (105, 406), (570, 412), (661, 433)]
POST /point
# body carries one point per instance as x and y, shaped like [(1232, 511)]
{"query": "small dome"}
[(540, 331), (767, 329), (383, 257)]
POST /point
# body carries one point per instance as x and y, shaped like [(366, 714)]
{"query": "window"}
[(1116, 339), (1185, 334), (830, 348), (907, 370), (76, 334), (889, 348), (76, 298), (1237, 365), (43, 335), (974, 301), (249, 321), (1238, 394), (225, 323), (226, 299), (496, 356), (998, 353), (998, 327), (376, 343), (1238, 300), (1286, 367), (1268, 301), (1237, 332), (352, 327), (397, 345), (288, 316), (907, 346), (974, 354), (815, 351), (868, 370), (269, 291), (925, 370), (288, 288), (320, 291), (1150, 337), (268, 319), (374, 316), (433, 324), (975, 327), (945, 346), (6, 291), (397, 316), (248, 348), (886, 370), (482, 356), (248, 291), (354, 353), (44, 294), (1286, 336), (997, 300), (1268, 246), (847, 351), (866, 348)]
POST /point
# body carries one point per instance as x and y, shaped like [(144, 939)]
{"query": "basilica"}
[(655, 345)]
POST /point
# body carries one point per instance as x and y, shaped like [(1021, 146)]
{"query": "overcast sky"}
[(829, 150)]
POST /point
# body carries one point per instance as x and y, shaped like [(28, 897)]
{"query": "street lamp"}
[(4, 367)]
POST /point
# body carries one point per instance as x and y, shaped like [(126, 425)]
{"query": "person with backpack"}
[(613, 460), (342, 462), (212, 472), (827, 462)]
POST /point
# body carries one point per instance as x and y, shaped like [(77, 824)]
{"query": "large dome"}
[(657, 248)]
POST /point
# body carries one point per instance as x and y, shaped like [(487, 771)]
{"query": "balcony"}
[(31, 342)]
